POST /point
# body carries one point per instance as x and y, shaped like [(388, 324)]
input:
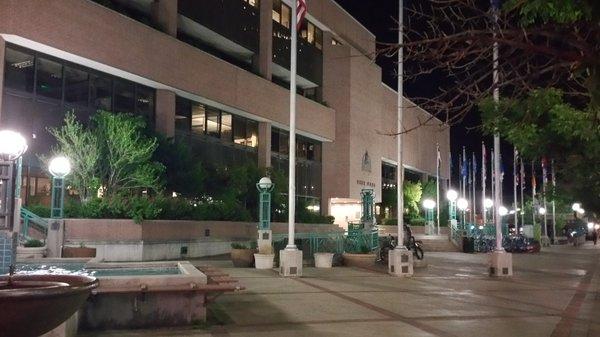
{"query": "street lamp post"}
[(59, 167), (487, 204), (265, 256), (12, 147), (429, 205), (452, 195), (462, 205)]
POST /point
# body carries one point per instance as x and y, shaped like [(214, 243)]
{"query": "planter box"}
[(359, 260), (31, 252), (242, 258), (264, 261), (78, 252), (323, 260)]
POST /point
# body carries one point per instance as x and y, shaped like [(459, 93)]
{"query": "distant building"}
[(214, 73)]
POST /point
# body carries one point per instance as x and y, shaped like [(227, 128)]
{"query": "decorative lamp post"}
[(12, 147), (487, 204), (452, 195), (59, 167), (576, 207), (265, 256), (462, 205), (429, 205)]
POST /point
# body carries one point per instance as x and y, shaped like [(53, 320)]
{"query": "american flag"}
[(301, 10)]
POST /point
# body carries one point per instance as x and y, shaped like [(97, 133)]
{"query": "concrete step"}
[(436, 243)]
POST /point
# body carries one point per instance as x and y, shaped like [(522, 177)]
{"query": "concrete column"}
[(264, 144), (165, 112), (2, 49), (164, 13), (265, 53)]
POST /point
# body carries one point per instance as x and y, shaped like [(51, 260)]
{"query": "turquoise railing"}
[(331, 242), (29, 219)]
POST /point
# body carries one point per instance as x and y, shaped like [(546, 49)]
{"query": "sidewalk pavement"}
[(553, 293)]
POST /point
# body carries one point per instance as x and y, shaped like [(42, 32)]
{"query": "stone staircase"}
[(436, 243)]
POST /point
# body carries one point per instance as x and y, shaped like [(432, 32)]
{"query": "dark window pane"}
[(277, 10), (18, 70), (318, 38), (286, 16), (212, 122), (76, 86), (198, 118), (274, 140), (284, 143), (144, 103), (183, 114), (49, 78), (239, 131), (226, 124), (124, 97), (101, 89)]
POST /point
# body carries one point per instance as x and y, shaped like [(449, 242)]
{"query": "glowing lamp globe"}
[(462, 204), (452, 195), (429, 204), (59, 167), (581, 211), (542, 210), (590, 225), (576, 206), (488, 203), (264, 184), (502, 211), (12, 144)]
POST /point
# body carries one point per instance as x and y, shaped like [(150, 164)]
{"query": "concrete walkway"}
[(554, 293)]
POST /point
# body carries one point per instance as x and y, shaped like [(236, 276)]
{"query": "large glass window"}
[(198, 118), (252, 133), (286, 16), (183, 114), (76, 86), (124, 97), (18, 70), (277, 11), (144, 103), (212, 122), (101, 90), (49, 78), (226, 126)]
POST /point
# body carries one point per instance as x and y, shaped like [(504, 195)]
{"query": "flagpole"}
[(516, 200), (496, 94), (522, 192), (464, 176), (533, 188), (474, 174), (438, 159), (483, 178), (400, 127), (495, 203), (553, 202), (292, 151), (544, 181)]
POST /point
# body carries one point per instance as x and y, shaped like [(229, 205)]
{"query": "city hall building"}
[(215, 74)]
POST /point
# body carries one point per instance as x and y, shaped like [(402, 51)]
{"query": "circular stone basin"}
[(32, 305)]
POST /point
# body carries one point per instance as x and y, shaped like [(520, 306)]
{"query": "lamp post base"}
[(545, 241), (290, 263), (501, 263), (400, 262), (265, 240)]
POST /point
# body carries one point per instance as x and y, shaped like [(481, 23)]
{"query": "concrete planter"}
[(78, 252), (359, 260), (31, 252), (242, 258), (264, 261), (323, 260)]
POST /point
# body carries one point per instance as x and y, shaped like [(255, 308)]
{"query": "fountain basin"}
[(32, 305)]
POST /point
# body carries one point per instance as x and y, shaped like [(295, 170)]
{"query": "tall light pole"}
[(265, 256), (488, 204), (400, 259), (59, 167), (429, 205), (462, 205), (501, 261), (452, 195), (12, 147)]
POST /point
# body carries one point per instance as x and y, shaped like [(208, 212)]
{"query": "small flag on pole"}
[(301, 12)]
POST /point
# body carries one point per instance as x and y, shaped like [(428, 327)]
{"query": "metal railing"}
[(312, 243), (30, 219)]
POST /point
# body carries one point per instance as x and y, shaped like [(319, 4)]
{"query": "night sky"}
[(380, 18)]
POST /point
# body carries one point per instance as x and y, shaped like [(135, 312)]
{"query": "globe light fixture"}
[(502, 211), (596, 226), (60, 167), (488, 203), (581, 211), (462, 204), (429, 204), (576, 206), (542, 211), (590, 225), (452, 195), (12, 145), (264, 184)]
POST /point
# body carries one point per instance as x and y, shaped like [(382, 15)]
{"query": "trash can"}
[(468, 244)]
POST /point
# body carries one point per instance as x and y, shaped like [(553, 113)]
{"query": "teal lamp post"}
[(462, 205), (264, 187), (452, 195), (59, 167), (429, 205), (487, 204)]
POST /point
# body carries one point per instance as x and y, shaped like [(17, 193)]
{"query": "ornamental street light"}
[(542, 211), (265, 234), (429, 205), (487, 204), (59, 167), (12, 146), (576, 207), (462, 205), (452, 195), (502, 211)]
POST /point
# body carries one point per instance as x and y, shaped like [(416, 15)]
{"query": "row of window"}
[(28, 72), (305, 148), (282, 14), (201, 119)]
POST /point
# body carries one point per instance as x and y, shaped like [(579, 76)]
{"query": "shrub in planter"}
[(242, 256), (33, 243)]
